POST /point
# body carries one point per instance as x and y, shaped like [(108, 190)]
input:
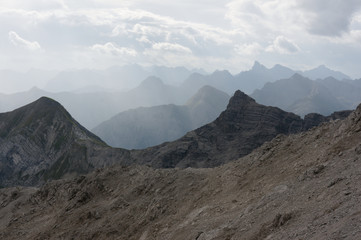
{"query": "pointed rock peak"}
[(46, 101), (258, 66), (239, 99), (42, 107), (280, 67)]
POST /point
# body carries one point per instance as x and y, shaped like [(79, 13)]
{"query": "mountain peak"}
[(239, 99), (298, 76), (206, 94), (258, 66), (49, 143)]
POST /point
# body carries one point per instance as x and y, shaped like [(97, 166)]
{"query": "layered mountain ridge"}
[(41, 141)]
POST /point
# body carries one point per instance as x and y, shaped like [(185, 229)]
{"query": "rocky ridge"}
[(241, 128)]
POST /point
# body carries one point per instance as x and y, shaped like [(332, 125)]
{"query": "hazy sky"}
[(212, 34)]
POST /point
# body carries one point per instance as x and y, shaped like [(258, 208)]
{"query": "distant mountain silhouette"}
[(92, 108), (322, 72), (301, 95), (255, 78), (144, 127), (115, 78), (346, 91)]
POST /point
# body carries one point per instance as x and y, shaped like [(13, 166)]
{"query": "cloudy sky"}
[(209, 34)]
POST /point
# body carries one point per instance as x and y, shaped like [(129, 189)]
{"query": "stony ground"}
[(304, 186)]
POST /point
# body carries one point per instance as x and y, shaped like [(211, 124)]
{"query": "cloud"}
[(34, 4), (16, 40), (172, 47), (329, 18), (250, 49), (112, 49), (283, 45)]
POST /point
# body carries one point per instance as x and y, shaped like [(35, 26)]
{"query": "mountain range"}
[(92, 108), (255, 78), (302, 95), (41, 141), (91, 104), (302, 186), (148, 126), (116, 78)]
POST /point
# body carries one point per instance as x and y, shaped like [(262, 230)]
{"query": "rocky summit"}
[(41, 141), (301, 186)]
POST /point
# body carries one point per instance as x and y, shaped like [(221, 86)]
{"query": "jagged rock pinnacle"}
[(239, 99)]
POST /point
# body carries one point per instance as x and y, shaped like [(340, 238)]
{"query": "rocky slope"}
[(149, 126), (303, 186), (41, 141)]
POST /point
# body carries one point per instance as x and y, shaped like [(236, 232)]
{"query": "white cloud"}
[(224, 33), (172, 47), (34, 4), (16, 40), (251, 49), (283, 45), (112, 49), (329, 18)]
